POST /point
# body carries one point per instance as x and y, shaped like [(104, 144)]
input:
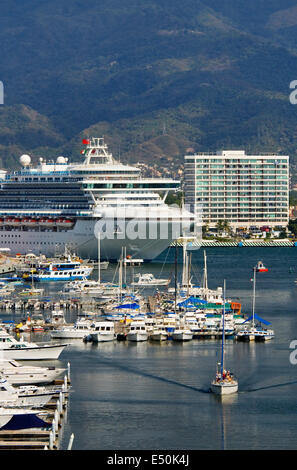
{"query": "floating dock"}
[(41, 439)]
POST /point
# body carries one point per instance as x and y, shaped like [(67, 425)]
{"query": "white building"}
[(245, 190)]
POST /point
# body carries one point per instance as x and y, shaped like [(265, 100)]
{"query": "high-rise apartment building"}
[(245, 190)]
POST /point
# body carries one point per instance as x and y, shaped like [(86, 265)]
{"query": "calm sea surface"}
[(155, 396)]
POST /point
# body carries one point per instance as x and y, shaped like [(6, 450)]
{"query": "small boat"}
[(18, 374), (158, 334), (103, 331), (261, 268), (79, 330), (26, 395), (137, 331), (17, 418), (182, 334), (147, 280), (255, 332), (224, 382), (31, 292)]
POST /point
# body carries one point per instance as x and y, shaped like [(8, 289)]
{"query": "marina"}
[(171, 324)]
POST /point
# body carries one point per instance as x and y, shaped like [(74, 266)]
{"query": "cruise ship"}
[(57, 204)]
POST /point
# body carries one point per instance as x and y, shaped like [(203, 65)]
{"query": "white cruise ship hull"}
[(82, 240)]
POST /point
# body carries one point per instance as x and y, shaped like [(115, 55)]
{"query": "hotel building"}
[(245, 190)]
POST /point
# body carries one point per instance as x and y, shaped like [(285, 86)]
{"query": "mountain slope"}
[(155, 78)]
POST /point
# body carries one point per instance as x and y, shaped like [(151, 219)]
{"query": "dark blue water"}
[(155, 396)]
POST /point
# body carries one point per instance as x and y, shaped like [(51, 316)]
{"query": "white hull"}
[(181, 336), (158, 337), (70, 334), (30, 378), (224, 388), (82, 241), (137, 337), (47, 352), (102, 338)]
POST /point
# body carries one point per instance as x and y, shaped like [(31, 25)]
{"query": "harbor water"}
[(156, 396)]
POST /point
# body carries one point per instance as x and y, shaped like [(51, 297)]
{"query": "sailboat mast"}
[(205, 282), (99, 257), (254, 296), (223, 332), (175, 277)]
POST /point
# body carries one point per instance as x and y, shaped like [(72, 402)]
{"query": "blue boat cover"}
[(191, 301), (265, 322), (25, 421), (133, 306)]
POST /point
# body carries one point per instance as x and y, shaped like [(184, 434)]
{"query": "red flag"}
[(85, 141)]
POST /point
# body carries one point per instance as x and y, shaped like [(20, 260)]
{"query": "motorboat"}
[(26, 395), (79, 330), (148, 280), (103, 331), (182, 334), (158, 333), (137, 331), (18, 374), (22, 350)]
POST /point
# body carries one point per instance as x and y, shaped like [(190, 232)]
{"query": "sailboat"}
[(255, 333), (28, 292), (224, 382)]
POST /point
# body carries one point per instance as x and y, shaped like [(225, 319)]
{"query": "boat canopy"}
[(133, 306), (261, 320), (191, 301)]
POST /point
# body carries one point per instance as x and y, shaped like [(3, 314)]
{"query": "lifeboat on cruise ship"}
[(64, 223), (25, 221), (1, 221), (15, 221), (32, 222), (8, 220), (47, 222)]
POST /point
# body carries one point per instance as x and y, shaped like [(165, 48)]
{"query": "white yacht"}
[(103, 331), (22, 350), (137, 331), (19, 374), (25, 396), (79, 330), (182, 334), (148, 280), (45, 206)]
